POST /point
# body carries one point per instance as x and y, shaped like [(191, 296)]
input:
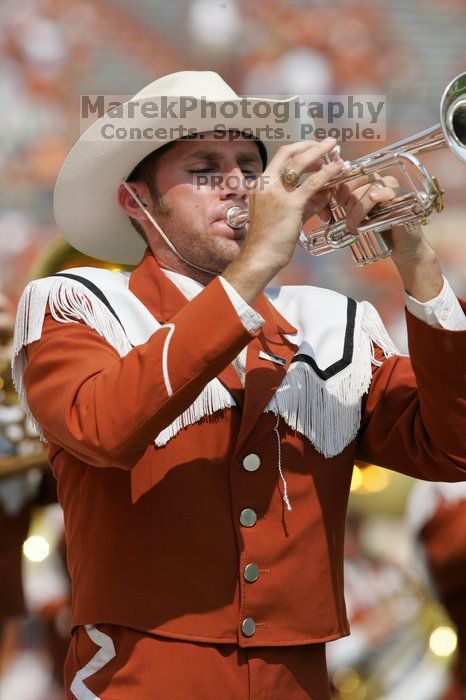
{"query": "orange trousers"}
[(110, 662)]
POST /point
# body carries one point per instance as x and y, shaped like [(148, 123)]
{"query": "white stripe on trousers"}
[(105, 654)]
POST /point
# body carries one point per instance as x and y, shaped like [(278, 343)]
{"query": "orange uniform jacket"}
[(154, 535)]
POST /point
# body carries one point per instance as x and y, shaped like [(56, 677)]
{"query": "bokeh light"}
[(443, 641), (348, 683), (357, 479), (369, 479), (375, 479), (36, 548)]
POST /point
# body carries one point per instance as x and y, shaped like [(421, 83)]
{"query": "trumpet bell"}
[(425, 194), (453, 116)]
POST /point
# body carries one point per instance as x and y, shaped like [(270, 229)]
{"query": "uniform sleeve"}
[(414, 418), (105, 409)]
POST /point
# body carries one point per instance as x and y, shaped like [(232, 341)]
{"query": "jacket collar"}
[(158, 294)]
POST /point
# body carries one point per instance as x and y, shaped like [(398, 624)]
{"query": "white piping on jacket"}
[(166, 376)]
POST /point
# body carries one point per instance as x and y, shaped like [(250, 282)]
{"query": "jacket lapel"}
[(268, 359), (158, 294)]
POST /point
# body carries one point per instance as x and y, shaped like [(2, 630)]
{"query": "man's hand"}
[(276, 213), (415, 260)]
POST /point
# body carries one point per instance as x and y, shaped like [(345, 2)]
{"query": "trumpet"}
[(423, 197)]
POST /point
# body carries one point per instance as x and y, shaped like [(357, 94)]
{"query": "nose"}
[(234, 185)]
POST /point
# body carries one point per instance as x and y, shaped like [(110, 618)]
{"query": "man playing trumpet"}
[(202, 426)]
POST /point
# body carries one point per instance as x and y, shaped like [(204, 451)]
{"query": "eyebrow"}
[(243, 156)]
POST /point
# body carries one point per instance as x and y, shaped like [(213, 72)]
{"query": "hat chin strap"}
[(162, 233)]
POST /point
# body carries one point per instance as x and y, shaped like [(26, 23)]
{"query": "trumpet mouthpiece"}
[(237, 217)]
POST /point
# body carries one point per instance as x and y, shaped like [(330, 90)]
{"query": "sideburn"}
[(161, 208)]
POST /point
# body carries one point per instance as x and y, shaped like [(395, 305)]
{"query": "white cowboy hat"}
[(85, 199)]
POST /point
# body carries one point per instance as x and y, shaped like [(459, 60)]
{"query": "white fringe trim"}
[(328, 413), (372, 326), (212, 399), (69, 301)]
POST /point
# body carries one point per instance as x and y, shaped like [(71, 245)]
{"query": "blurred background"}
[(405, 642)]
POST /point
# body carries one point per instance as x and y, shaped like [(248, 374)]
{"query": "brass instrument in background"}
[(6, 334), (16, 434), (367, 244)]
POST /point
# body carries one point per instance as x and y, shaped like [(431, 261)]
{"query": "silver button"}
[(248, 626), (251, 573), (251, 462), (444, 315), (248, 517)]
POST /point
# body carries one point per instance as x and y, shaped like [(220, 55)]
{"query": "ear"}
[(128, 203)]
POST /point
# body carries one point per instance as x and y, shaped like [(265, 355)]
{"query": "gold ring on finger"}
[(289, 177)]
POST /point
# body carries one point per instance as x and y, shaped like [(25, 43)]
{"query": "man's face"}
[(198, 181)]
